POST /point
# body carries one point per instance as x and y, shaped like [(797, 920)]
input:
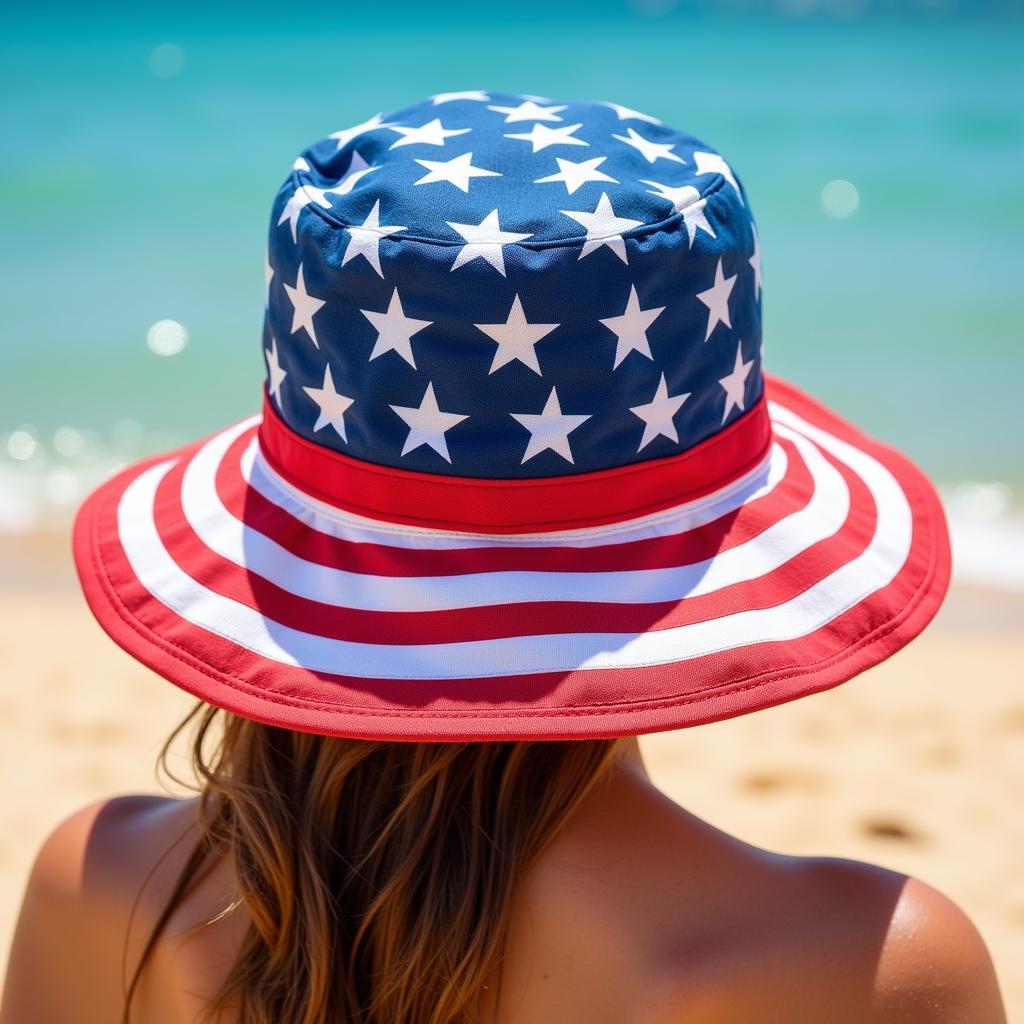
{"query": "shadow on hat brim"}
[(218, 575)]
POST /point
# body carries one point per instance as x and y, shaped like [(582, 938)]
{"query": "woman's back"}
[(638, 912)]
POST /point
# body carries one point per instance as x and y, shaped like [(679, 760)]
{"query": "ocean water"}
[(141, 147)]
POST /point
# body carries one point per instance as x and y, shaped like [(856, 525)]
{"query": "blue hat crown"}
[(506, 286)]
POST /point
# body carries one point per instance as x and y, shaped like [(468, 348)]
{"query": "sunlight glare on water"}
[(166, 338)]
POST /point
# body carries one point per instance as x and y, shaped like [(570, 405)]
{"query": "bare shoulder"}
[(934, 965), (741, 933), (103, 855), (80, 897), (847, 941)]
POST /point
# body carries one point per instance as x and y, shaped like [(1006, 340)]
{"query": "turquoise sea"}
[(141, 148)]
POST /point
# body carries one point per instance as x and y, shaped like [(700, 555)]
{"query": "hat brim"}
[(209, 568)]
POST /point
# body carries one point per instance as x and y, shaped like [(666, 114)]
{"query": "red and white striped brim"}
[(277, 602)]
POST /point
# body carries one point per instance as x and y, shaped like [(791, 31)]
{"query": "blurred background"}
[(882, 146)]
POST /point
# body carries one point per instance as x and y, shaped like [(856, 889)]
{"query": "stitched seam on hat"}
[(670, 223), (289, 700)]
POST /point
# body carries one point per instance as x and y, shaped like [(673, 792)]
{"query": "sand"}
[(916, 765)]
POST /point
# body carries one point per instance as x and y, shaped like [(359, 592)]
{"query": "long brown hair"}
[(379, 877)]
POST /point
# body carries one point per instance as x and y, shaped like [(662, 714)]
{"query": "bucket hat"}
[(519, 472)]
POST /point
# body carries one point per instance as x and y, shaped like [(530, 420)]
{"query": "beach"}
[(915, 765)]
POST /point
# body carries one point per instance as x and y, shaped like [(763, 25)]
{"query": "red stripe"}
[(510, 619), (736, 527), (515, 506)]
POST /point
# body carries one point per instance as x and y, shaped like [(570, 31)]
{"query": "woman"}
[(520, 492)]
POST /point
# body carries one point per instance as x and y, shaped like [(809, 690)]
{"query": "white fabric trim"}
[(350, 526), (247, 548)]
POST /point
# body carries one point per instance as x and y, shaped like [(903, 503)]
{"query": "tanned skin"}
[(639, 913)]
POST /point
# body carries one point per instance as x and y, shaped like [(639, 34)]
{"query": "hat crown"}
[(500, 286)]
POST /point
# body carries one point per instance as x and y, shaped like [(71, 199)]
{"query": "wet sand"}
[(916, 765)]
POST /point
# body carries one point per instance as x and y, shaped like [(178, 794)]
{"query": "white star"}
[(755, 263), (529, 111), (305, 307), (550, 429), (466, 94), (457, 171), (516, 338), (631, 328), (712, 163), (427, 424), (685, 200), (364, 239), (394, 330), (484, 240), (346, 136), (274, 371), (306, 194), (540, 136), (650, 151), (735, 383), (658, 414), (433, 133), (268, 276), (298, 201), (716, 298), (357, 168), (603, 228), (573, 174), (332, 405), (625, 114)]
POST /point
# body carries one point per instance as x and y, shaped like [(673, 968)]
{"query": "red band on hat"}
[(444, 502)]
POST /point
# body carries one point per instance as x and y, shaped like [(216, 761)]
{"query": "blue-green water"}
[(126, 197)]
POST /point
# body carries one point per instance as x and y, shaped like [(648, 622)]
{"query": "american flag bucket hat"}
[(519, 472)]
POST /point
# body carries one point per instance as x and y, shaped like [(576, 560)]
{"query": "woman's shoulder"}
[(734, 932), (105, 867), (106, 853), (847, 940)]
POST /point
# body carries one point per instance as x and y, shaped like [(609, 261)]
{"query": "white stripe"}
[(873, 569), (349, 526), (255, 552)]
